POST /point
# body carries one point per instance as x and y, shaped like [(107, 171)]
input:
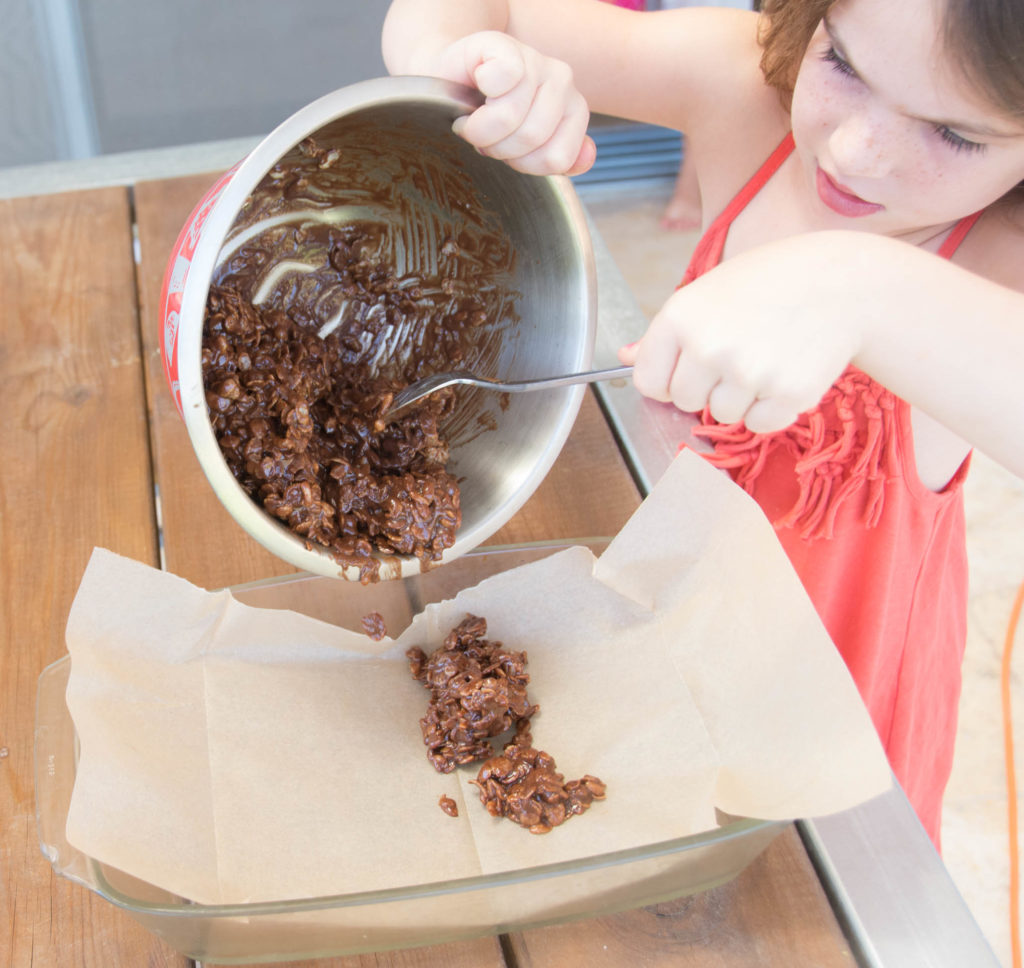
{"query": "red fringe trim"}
[(844, 447)]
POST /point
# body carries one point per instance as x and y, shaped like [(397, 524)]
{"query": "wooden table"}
[(94, 454)]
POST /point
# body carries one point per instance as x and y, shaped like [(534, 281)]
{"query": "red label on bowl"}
[(174, 282)]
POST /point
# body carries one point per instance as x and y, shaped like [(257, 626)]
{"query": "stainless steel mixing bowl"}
[(545, 309)]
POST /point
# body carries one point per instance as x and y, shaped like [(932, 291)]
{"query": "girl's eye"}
[(832, 56), (955, 141)]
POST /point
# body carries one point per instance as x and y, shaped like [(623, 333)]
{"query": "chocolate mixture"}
[(301, 433), (477, 692), (334, 291), (523, 785)]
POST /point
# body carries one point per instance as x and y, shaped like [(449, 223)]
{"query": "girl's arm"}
[(542, 64), (762, 337), (533, 117), (417, 31)]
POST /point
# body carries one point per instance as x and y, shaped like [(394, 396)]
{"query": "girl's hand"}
[(758, 339), (533, 118)]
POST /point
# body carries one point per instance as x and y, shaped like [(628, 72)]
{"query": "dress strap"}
[(958, 234), (708, 252), (758, 180)]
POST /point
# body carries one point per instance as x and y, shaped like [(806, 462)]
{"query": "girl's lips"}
[(841, 201)]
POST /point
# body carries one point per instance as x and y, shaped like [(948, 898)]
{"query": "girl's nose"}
[(861, 146)]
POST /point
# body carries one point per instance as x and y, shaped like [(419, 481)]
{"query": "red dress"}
[(882, 557)]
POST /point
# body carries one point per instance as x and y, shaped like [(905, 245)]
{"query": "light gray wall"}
[(27, 130), (84, 77)]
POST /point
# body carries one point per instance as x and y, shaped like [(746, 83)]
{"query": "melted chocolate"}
[(335, 289)]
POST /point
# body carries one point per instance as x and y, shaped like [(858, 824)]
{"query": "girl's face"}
[(891, 138)]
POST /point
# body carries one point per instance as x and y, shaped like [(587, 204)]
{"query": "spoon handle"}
[(591, 376), (431, 384)]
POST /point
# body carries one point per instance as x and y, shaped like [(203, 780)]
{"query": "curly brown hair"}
[(785, 29)]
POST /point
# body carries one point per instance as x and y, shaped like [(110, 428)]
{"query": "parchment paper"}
[(233, 754)]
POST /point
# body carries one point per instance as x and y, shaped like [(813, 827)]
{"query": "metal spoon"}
[(431, 384)]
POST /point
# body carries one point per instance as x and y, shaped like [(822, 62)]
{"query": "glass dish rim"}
[(188, 909)]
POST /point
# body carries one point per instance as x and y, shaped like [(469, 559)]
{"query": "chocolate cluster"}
[(523, 785), (477, 693)]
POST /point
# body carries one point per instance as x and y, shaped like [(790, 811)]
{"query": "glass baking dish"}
[(403, 915)]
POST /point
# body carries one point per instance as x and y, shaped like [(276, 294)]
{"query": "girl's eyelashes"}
[(948, 135), (833, 57), (955, 141)]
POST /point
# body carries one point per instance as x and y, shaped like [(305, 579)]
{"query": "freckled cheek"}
[(932, 190), (948, 188), (920, 165), (818, 104), (920, 172)]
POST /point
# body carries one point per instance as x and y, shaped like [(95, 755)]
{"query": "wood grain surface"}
[(773, 915), (90, 431), (74, 474)]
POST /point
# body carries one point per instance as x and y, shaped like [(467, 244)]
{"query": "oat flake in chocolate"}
[(332, 295), (374, 626)]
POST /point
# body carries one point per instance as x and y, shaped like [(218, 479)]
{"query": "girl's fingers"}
[(662, 372), (567, 150), (499, 74), (729, 403), (653, 364), (585, 158), (547, 135), (496, 121), (533, 132), (533, 117), (538, 114), (766, 416), (691, 384)]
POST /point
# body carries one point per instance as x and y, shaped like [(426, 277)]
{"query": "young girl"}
[(852, 322)]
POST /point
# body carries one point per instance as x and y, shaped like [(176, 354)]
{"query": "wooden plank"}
[(479, 953), (75, 473), (773, 915)]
